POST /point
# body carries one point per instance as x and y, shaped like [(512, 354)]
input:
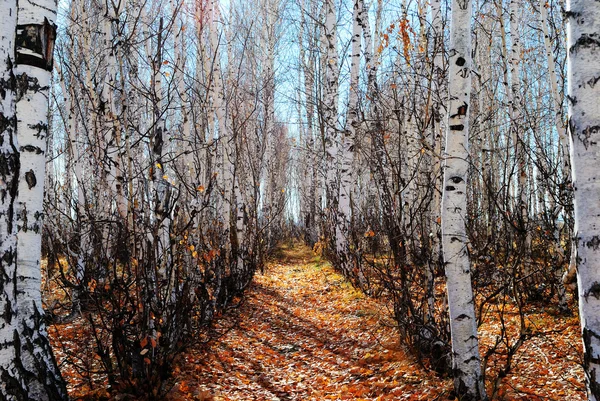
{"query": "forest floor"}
[(302, 332)]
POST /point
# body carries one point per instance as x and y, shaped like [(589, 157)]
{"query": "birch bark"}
[(11, 379), (34, 44), (518, 131), (330, 109), (563, 151), (220, 103), (468, 382), (308, 70), (352, 122), (583, 51)]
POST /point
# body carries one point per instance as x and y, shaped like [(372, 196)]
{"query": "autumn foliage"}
[(303, 332)]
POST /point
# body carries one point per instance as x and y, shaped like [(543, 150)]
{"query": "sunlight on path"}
[(304, 333)]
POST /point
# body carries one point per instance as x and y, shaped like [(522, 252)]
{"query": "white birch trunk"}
[(189, 139), (34, 45), (468, 382), (438, 109), (518, 131), (11, 381), (510, 139), (583, 52), (76, 152), (330, 102), (112, 162), (308, 70), (219, 100), (563, 151), (347, 158)]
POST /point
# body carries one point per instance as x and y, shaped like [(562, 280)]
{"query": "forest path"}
[(304, 333)]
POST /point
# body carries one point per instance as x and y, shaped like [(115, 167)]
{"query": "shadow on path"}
[(305, 334)]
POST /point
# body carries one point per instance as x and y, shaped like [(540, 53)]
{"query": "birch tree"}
[(466, 364), (330, 107), (352, 123), (11, 382), (34, 49), (27, 365), (563, 148), (583, 46)]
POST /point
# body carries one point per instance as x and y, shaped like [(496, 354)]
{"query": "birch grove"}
[(155, 155)]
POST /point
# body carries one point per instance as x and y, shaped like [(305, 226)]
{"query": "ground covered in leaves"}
[(303, 333)]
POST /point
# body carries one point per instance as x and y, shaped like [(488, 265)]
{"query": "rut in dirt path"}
[(305, 334)]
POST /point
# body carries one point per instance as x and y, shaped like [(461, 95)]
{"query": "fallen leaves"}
[(304, 333)]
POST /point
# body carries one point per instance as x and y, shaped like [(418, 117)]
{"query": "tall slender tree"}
[(348, 138), (34, 46), (466, 363), (584, 126), (10, 378)]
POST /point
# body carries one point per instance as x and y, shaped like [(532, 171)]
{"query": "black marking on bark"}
[(38, 39), (3, 86), (464, 392), (462, 111), (12, 385), (593, 81), (458, 127), (462, 4), (158, 142), (40, 127), (42, 370), (572, 100), (30, 179), (26, 84), (460, 61), (450, 188), (456, 180), (594, 291), (586, 133), (463, 317), (9, 256), (585, 41), (588, 360), (10, 165), (455, 239), (570, 14), (5, 124), (594, 243), (32, 149)]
